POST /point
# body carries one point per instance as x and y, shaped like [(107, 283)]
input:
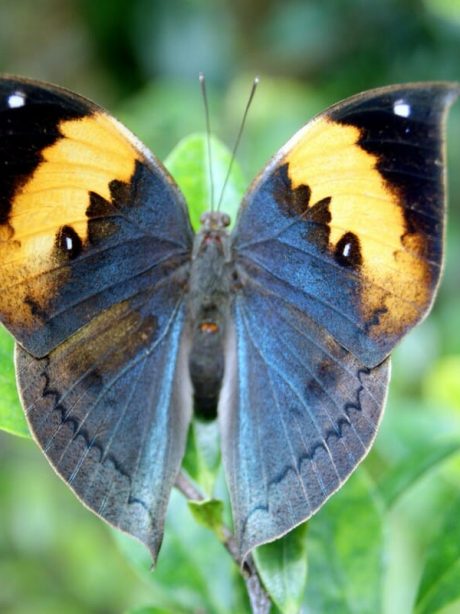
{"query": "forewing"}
[(88, 217), (346, 222), (298, 413)]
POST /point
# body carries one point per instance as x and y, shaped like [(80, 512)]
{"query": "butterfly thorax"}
[(208, 308)]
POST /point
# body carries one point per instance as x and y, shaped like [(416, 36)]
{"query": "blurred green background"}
[(140, 59)]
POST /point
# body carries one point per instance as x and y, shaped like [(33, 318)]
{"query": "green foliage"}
[(440, 585), (202, 455), (189, 165), (282, 566), (443, 383), (404, 474), (389, 540), (194, 572), (345, 548), (11, 415), (209, 513)]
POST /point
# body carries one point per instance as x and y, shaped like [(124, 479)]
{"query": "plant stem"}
[(258, 596)]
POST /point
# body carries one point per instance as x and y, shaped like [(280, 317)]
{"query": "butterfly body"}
[(126, 324), (212, 277)]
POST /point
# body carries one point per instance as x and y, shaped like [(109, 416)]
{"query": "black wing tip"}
[(450, 88), (63, 95), (440, 94)]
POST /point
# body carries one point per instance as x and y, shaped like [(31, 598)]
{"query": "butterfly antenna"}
[(208, 137), (255, 83)]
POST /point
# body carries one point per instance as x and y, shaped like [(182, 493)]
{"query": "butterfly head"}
[(214, 220), (213, 233)]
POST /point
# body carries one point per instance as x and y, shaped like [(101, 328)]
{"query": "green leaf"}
[(282, 566), (194, 572), (188, 164), (403, 475), (12, 417), (209, 513), (202, 455), (440, 584), (345, 551)]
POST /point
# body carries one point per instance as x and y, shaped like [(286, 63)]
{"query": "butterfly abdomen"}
[(208, 308)]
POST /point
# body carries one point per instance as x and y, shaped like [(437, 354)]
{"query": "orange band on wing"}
[(328, 159), (90, 155)]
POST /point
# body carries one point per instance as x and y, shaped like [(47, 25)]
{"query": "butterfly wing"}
[(347, 220), (110, 407), (300, 416), (88, 217), (94, 236), (338, 248)]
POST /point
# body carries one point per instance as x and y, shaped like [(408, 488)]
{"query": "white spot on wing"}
[(16, 100), (346, 250), (401, 108), (68, 243)]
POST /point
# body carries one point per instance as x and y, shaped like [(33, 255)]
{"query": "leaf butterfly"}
[(127, 323)]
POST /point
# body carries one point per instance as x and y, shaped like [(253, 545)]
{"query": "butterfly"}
[(127, 324)]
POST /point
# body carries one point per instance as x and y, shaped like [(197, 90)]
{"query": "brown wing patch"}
[(112, 338), (327, 158), (91, 154)]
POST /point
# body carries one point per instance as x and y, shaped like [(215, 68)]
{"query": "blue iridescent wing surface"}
[(347, 220), (299, 413), (88, 216), (95, 243), (338, 249), (110, 407)]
